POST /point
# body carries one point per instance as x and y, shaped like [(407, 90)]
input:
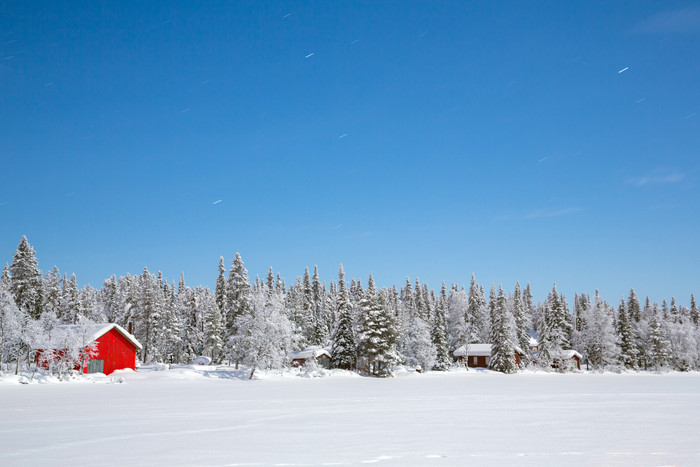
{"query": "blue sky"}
[(540, 142)]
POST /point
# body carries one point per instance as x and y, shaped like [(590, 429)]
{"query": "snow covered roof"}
[(532, 342), (567, 354), (479, 350), (64, 333), (309, 352)]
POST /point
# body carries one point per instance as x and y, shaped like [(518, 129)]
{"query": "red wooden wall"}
[(116, 350)]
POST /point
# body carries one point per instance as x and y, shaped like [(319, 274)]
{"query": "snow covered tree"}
[(522, 337), (659, 347), (601, 338), (320, 321), (419, 348), (68, 309), (477, 321), (503, 348), (683, 345), (264, 333), (628, 346), (10, 324), (25, 280), (457, 330), (633, 309), (439, 334), (558, 323), (213, 329), (378, 336), (694, 311), (221, 289), (343, 348), (238, 293), (52, 291)]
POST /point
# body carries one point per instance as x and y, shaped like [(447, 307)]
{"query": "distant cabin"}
[(533, 344), (322, 356), (115, 347), (480, 355), (570, 359)]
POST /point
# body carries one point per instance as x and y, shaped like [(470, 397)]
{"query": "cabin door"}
[(96, 366)]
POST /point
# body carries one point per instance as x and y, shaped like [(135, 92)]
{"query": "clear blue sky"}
[(546, 141)]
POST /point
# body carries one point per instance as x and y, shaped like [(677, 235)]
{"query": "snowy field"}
[(205, 416)]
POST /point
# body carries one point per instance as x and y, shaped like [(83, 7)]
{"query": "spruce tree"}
[(502, 349), (25, 280), (522, 337), (476, 316), (378, 338), (238, 294), (633, 309), (659, 354), (439, 334), (694, 311), (628, 347), (221, 289), (343, 349)]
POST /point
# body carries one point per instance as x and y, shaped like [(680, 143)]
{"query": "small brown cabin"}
[(479, 355), (301, 357)]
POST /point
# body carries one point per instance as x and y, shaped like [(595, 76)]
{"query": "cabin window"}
[(96, 366), (473, 360)]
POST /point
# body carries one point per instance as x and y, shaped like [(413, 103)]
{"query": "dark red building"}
[(108, 347)]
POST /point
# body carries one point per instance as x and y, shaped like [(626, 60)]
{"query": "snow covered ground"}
[(207, 416)]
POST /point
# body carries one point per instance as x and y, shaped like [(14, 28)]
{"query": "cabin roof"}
[(479, 350), (61, 334), (309, 352)]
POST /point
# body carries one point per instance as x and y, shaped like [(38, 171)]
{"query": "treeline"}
[(366, 329)]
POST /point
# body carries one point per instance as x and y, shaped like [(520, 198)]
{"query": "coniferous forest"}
[(366, 329)]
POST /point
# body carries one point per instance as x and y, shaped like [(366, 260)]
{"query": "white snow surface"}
[(193, 415)]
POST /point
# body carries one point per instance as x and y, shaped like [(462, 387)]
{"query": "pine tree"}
[(25, 280), (633, 309), (52, 291), (238, 296), (439, 334), (659, 355), (476, 314), (343, 349), (5, 278), (221, 289), (320, 331), (694, 311), (503, 349), (628, 347), (522, 337), (68, 309), (559, 326), (213, 329), (378, 338)]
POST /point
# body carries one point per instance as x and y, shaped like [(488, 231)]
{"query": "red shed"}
[(103, 348)]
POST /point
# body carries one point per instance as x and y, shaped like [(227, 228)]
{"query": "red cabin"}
[(103, 348)]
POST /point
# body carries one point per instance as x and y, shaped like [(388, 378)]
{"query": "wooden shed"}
[(479, 355), (569, 359), (109, 347), (322, 356)]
